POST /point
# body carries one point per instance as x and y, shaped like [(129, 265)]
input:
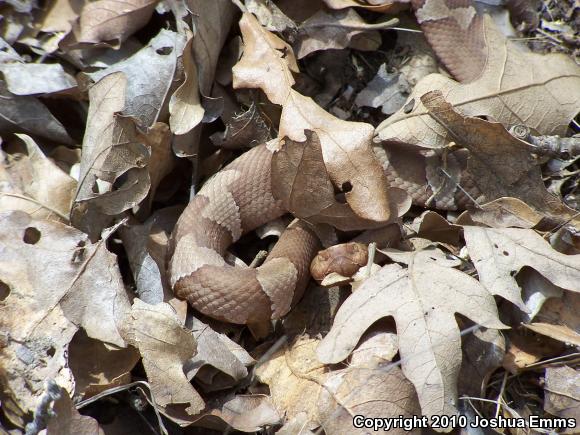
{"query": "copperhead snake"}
[(237, 200)]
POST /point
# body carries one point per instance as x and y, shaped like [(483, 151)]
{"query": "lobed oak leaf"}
[(423, 300), (499, 253)]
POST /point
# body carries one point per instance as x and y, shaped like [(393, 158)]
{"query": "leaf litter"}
[(435, 156)]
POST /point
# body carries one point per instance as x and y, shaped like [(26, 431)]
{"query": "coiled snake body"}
[(237, 200)]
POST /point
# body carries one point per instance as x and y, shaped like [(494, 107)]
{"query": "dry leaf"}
[(271, 17), (34, 184), (165, 345), (431, 225), (557, 332), (385, 6), (22, 114), (185, 106), (333, 30), (212, 25), (502, 212), (516, 87), (146, 247), (294, 376), (242, 412), (109, 21), (563, 393), (346, 146), (53, 282), (97, 366), (375, 392), (114, 150), (423, 300), (220, 352), (149, 77), (66, 420), (499, 253), (499, 163), (33, 79)]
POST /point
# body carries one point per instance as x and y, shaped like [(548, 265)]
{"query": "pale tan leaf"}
[(563, 394), (499, 253), (516, 87), (185, 105), (423, 300), (557, 332), (385, 6), (502, 212), (165, 345), (113, 21), (334, 30), (265, 56), (373, 392), (54, 281), (294, 376), (34, 184)]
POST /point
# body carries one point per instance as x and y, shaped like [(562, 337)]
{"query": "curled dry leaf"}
[(334, 30), (54, 281), (113, 149), (35, 185), (185, 105), (106, 368), (499, 253), (242, 412), (212, 25), (385, 6), (146, 247), (165, 345), (111, 21), (423, 300), (431, 225), (502, 212), (516, 87), (498, 163), (268, 63), (220, 352)]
